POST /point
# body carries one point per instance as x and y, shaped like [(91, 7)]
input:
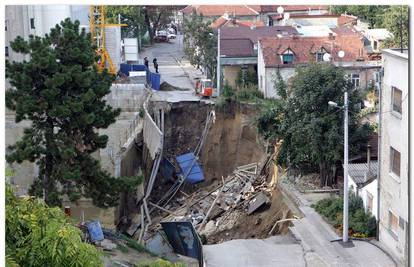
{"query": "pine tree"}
[(61, 92)]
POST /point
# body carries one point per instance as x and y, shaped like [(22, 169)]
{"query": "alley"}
[(173, 66)]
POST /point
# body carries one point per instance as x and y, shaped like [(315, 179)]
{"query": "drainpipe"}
[(218, 78), (379, 151), (369, 158)]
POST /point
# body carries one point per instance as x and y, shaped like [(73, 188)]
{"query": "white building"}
[(393, 179), (362, 179)]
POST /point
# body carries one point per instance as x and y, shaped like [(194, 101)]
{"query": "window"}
[(392, 222), (355, 80), (7, 51), (395, 161), (320, 54), (370, 202), (396, 99), (375, 45), (287, 57), (261, 81), (32, 24), (5, 25)]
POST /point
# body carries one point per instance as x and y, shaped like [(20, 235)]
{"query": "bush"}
[(37, 235), (248, 92), (360, 223), (160, 263)]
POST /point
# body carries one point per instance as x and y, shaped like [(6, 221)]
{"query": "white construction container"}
[(131, 49)]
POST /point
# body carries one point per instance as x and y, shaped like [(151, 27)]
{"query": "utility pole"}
[(401, 30), (345, 216), (218, 64)]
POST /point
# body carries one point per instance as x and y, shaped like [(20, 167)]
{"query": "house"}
[(269, 13), (394, 154), (376, 37), (226, 21), (238, 48), (305, 19), (362, 180), (213, 12), (284, 53)]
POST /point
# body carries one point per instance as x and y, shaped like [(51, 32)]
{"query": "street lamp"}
[(345, 215)]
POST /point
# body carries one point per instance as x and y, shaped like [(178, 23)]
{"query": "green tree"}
[(396, 20), (369, 13), (200, 44), (61, 92), (37, 235), (311, 131), (156, 17), (130, 15)]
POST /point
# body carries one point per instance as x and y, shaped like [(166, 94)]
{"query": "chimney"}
[(331, 36), (369, 158)]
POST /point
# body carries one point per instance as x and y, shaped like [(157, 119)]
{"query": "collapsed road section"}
[(208, 173)]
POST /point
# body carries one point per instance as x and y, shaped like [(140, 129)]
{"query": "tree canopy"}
[(130, 15), (394, 18), (61, 92), (311, 131), (200, 44), (37, 236)]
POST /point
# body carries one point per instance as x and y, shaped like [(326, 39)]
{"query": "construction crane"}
[(97, 28)]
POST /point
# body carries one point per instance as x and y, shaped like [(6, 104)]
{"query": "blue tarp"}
[(95, 231), (196, 173)]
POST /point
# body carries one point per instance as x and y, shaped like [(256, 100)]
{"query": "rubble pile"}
[(243, 192)]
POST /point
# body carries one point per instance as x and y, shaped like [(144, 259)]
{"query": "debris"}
[(107, 244), (95, 231), (259, 200)]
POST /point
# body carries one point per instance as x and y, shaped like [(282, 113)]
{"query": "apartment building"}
[(393, 179)]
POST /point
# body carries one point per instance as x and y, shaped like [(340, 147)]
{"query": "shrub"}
[(160, 263), (248, 92), (361, 223), (37, 235)]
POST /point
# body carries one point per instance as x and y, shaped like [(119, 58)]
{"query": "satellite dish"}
[(286, 16), (280, 10), (326, 57), (341, 54)]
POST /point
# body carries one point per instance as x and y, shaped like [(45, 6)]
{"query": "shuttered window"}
[(395, 161)]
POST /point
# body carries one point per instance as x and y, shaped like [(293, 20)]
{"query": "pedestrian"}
[(146, 62), (155, 64)]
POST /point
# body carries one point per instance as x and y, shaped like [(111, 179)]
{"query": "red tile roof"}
[(304, 48), (219, 10), (291, 8), (220, 22), (345, 19)]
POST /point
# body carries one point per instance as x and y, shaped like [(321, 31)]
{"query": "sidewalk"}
[(315, 236)]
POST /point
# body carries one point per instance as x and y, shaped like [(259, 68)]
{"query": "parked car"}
[(161, 36), (172, 36)]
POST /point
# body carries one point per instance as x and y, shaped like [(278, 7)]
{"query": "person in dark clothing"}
[(146, 62), (155, 64)]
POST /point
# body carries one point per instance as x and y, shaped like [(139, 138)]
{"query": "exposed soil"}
[(256, 225)]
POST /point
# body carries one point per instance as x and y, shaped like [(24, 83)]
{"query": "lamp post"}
[(345, 227), (218, 64), (345, 213)]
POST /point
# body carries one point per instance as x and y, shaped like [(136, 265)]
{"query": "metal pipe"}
[(218, 64), (345, 216)]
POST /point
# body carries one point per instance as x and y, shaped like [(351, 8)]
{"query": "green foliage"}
[(248, 92), (369, 13), (61, 92), (37, 235), (200, 45), (361, 223), (384, 16), (135, 245), (131, 15), (249, 78), (160, 263), (312, 132), (396, 20), (281, 87)]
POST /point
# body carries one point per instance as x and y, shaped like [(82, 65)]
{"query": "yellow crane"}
[(97, 27)]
